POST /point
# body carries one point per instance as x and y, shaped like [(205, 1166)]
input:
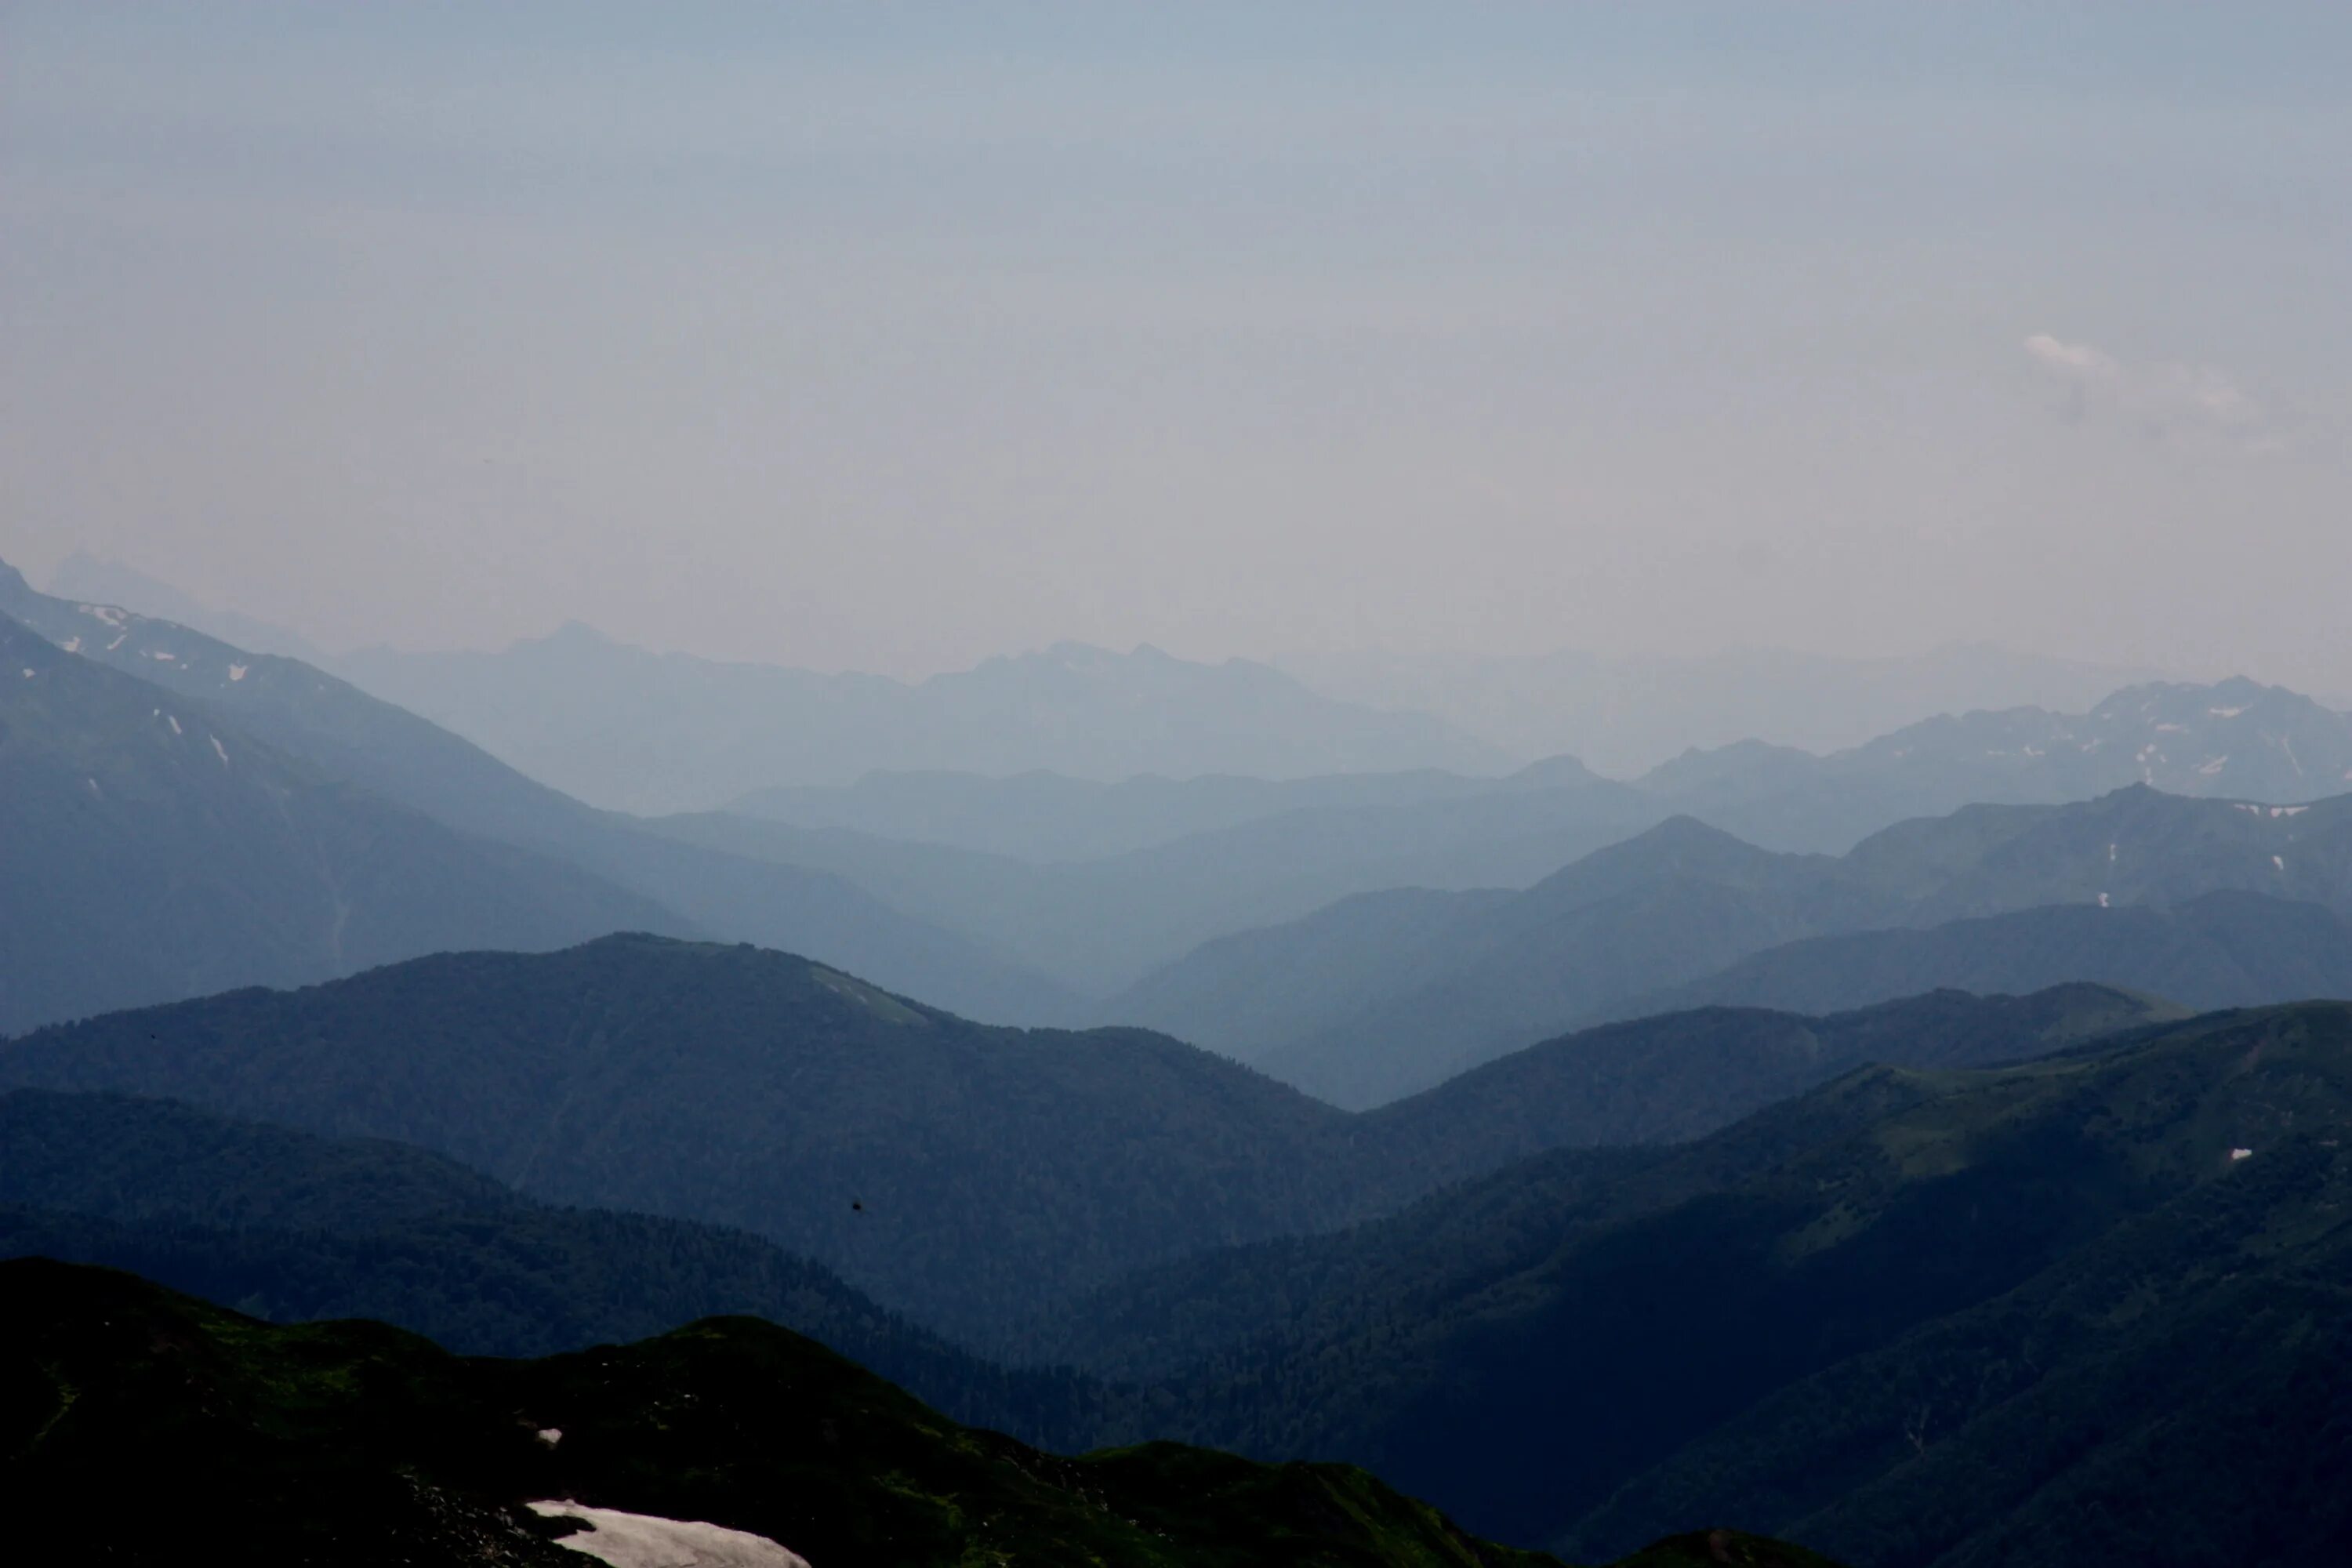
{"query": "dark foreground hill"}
[(148, 1427), (150, 850), (2094, 1309), (969, 1175), (293, 1227)]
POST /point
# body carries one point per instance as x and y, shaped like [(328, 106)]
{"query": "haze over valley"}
[(1295, 786)]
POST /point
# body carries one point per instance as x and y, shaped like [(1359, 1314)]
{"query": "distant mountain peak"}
[(1555, 772), (1683, 830), (574, 633)]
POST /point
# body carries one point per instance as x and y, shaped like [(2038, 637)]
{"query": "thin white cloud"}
[(2072, 359), (2163, 399)]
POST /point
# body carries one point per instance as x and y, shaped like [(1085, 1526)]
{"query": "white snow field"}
[(640, 1541)]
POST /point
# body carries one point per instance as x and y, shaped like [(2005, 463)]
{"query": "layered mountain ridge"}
[(968, 1174), (664, 732), (1387, 993), (2089, 1307), (342, 735)]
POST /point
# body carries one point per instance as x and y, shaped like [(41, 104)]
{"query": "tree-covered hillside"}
[(291, 1226), (356, 1444), (973, 1177), (1927, 1317)]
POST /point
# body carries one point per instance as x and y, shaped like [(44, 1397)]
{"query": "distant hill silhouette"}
[(660, 732), (1381, 995)]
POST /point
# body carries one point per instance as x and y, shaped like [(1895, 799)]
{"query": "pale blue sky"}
[(891, 336)]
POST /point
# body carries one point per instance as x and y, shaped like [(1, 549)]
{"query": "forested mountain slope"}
[(973, 1176), (2081, 1222), (292, 1226), (939, 1162)]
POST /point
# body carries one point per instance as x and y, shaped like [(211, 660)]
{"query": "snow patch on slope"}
[(642, 1541)]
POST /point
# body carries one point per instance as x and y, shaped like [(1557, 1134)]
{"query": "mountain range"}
[(2094, 1308), (1625, 715), (999, 897), (2233, 740), (1097, 925), (1387, 993), (591, 716), (340, 736), (1136, 875), (655, 732), (2089, 1307), (971, 1177)]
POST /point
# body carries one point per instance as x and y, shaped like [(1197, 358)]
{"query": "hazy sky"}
[(891, 336)]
